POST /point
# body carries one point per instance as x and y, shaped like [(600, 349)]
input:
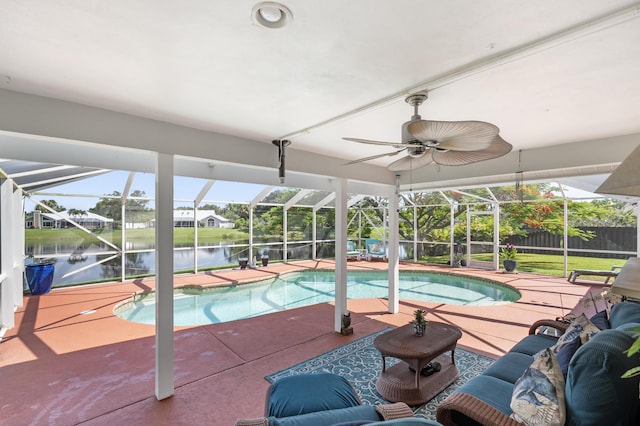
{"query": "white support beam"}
[(127, 187), (452, 225), (123, 228), (314, 234), (285, 238), (195, 236), (565, 237), (353, 200), (472, 195), (18, 244), (638, 230), (326, 200), (496, 236), (52, 181), (164, 383), (256, 200), (299, 196), (10, 281), (203, 192), (392, 251), (341, 253), (415, 233)]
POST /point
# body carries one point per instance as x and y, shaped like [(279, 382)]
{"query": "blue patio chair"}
[(375, 250), (352, 253)]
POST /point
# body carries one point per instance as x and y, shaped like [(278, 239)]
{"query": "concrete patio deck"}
[(70, 360)]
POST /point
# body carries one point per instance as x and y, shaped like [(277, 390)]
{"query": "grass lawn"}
[(182, 236), (548, 264)]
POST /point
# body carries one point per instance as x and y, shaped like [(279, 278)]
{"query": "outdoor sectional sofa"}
[(594, 392)]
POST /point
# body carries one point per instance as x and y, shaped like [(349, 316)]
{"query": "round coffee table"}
[(403, 381)]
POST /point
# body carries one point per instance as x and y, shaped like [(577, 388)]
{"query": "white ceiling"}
[(551, 74)]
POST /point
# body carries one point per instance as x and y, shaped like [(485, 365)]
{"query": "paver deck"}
[(70, 360)]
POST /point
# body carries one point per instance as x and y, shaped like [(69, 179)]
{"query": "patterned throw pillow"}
[(538, 395), (580, 326)]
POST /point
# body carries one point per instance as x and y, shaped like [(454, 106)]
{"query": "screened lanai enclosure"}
[(548, 222)]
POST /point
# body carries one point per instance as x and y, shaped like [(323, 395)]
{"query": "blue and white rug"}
[(361, 364)]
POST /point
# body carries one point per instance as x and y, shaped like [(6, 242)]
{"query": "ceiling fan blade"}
[(373, 157), (411, 163), (370, 142), (455, 135), (498, 148)]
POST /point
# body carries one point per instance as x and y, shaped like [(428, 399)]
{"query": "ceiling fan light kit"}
[(448, 143)]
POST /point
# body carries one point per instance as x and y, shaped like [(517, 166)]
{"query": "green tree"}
[(111, 206), (77, 212), (53, 204), (601, 213)]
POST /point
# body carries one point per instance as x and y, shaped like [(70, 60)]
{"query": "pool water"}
[(195, 306)]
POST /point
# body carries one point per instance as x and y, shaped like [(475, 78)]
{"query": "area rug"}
[(361, 364)]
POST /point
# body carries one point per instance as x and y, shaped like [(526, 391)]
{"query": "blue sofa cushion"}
[(329, 417), (625, 312), (308, 393), (534, 343), (493, 391), (595, 392), (509, 367)]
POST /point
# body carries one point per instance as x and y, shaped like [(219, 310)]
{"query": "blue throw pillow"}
[(601, 321), (565, 354)]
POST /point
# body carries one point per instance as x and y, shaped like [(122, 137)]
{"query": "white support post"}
[(452, 225), (638, 230), (341, 253), (251, 231), (565, 237), (123, 225), (123, 244), (314, 234), (392, 253), (415, 233), (496, 236), (164, 384), (195, 236), (7, 276), (284, 234)]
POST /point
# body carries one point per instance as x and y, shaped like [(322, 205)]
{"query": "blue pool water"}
[(193, 306)]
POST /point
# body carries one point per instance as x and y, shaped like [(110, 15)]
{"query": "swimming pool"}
[(196, 306)]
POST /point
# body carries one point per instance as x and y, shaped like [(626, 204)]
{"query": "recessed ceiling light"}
[(271, 15)]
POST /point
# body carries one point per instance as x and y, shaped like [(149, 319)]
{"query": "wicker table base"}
[(403, 381), (397, 383)]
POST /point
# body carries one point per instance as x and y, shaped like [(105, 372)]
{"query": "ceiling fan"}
[(450, 143)]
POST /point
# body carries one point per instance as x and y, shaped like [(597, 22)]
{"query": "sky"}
[(184, 189)]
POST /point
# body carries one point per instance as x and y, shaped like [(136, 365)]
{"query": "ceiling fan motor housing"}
[(407, 138)]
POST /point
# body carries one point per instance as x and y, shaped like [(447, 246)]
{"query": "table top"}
[(403, 343)]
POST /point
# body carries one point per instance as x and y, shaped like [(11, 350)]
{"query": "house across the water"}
[(61, 220), (205, 219)]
